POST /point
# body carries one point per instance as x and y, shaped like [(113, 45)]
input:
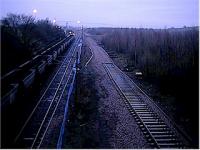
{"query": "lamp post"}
[(34, 12), (54, 21), (78, 21), (81, 29)]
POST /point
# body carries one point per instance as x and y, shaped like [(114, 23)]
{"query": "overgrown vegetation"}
[(83, 115), (167, 58), (22, 36), (157, 52)]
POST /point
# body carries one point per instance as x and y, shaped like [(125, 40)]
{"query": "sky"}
[(109, 13)]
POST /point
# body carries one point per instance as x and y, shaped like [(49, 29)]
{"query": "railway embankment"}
[(99, 117)]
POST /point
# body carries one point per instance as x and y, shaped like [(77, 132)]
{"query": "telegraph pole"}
[(66, 25), (82, 32), (135, 54)]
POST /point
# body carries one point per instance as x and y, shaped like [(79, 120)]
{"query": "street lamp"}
[(78, 21), (54, 21), (34, 11)]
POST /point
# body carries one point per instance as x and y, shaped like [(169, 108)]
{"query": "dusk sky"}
[(114, 13)]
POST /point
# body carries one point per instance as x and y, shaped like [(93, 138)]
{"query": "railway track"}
[(157, 131), (34, 129)]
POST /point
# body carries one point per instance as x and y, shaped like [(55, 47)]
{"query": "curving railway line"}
[(156, 127), (34, 130)]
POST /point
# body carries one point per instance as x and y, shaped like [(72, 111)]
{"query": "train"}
[(35, 67)]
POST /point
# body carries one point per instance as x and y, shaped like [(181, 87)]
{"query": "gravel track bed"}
[(122, 130)]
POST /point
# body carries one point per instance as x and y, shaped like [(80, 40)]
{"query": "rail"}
[(54, 98), (180, 130), (62, 129), (157, 132)]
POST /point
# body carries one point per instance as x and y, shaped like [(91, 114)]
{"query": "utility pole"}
[(135, 54), (66, 25), (82, 32)]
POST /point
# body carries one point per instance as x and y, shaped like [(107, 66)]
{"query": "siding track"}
[(157, 131)]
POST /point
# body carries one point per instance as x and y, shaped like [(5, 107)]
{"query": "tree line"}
[(169, 57), (156, 52), (22, 36)]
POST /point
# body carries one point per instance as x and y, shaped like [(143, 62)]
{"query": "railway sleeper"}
[(165, 136), (139, 107), (135, 99), (167, 140), (139, 123), (128, 94), (161, 132), (137, 104), (149, 117), (157, 123), (145, 132), (147, 135), (157, 126), (152, 144), (169, 145), (153, 123), (150, 120), (128, 106), (134, 114), (145, 112), (150, 140), (137, 119), (160, 129)]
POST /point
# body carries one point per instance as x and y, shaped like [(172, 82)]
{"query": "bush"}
[(22, 37), (157, 52)]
